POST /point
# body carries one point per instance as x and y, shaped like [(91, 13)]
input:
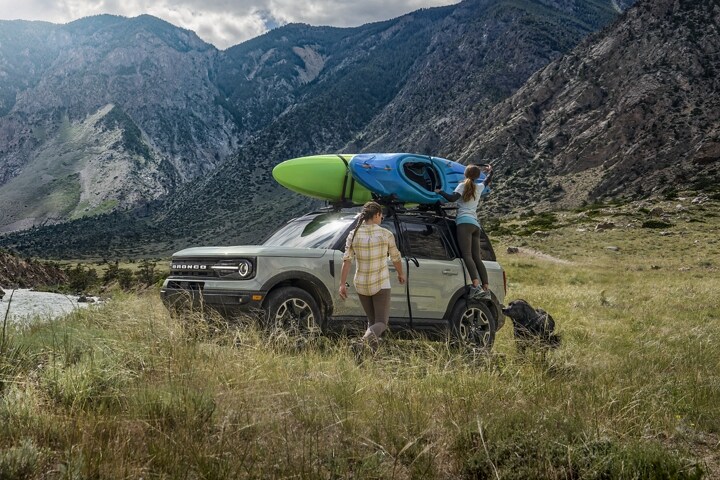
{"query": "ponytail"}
[(469, 190), (472, 173)]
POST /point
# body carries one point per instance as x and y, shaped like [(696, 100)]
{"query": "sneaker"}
[(477, 293)]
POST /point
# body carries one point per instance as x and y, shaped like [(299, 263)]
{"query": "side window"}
[(426, 241)]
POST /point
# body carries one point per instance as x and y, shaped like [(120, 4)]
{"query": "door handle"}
[(449, 272)]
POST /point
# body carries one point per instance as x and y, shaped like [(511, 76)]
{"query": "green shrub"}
[(656, 224), (23, 461)]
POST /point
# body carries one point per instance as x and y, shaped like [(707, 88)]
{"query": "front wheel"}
[(472, 324), (293, 310)]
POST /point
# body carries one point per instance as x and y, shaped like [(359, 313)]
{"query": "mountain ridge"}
[(534, 112), (624, 115)]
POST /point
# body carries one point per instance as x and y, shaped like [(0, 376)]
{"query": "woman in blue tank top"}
[(467, 195)]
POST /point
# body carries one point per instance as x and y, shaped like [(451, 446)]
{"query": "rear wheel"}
[(293, 310), (472, 324)]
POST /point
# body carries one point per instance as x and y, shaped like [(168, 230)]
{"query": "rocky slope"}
[(16, 272), (112, 112), (631, 112), (478, 55)]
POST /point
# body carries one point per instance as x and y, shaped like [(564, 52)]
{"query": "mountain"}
[(627, 114), (103, 113), (479, 54), (151, 139), (396, 70)]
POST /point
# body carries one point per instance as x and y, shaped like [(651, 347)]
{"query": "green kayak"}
[(325, 177)]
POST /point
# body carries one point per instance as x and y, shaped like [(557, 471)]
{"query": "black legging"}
[(469, 242), (377, 309)]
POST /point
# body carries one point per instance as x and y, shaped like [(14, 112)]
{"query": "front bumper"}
[(181, 295)]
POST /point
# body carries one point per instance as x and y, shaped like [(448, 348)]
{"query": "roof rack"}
[(393, 207)]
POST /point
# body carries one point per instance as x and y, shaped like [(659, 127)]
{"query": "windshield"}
[(319, 231)]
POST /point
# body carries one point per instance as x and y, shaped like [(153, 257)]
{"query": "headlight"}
[(242, 268)]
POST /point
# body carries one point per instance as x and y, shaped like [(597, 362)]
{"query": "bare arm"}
[(345, 270), (399, 269), (489, 176), (343, 279)]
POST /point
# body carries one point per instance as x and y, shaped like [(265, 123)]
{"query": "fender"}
[(299, 278), (492, 305)]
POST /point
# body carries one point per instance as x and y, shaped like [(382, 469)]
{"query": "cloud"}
[(221, 22)]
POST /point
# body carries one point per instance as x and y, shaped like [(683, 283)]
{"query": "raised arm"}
[(489, 176)]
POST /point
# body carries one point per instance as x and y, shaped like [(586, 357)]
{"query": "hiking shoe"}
[(477, 293)]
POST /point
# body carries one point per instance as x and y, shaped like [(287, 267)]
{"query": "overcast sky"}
[(221, 22)]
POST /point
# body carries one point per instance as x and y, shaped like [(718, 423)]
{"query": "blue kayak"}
[(408, 178)]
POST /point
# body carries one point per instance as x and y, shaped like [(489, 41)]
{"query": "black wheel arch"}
[(493, 305), (307, 282)]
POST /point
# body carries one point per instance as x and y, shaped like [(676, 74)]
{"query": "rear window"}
[(318, 231), (426, 241)]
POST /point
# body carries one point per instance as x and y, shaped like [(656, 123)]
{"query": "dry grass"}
[(126, 391)]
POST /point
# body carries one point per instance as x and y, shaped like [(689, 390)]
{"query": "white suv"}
[(291, 280)]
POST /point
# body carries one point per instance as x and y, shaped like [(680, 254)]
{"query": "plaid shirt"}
[(371, 248)]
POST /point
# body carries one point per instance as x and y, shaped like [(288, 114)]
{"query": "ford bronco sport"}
[(291, 280)]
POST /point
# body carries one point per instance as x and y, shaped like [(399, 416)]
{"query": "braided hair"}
[(472, 173), (370, 209)]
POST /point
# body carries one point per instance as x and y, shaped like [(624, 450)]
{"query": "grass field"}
[(126, 391)]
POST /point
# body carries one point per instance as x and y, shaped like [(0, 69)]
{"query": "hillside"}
[(180, 148), (103, 113), (16, 272), (480, 54), (630, 113)]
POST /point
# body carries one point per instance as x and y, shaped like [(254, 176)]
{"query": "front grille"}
[(178, 285), (236, 268)]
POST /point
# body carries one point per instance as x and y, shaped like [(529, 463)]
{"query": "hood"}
[(250, 251)]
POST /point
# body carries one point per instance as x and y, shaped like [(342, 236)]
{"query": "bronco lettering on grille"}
[(184, 266)]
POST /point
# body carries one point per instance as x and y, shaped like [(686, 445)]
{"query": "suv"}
[(292, 278)]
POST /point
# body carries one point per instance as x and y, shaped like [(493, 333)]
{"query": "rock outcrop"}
[(16, 272)]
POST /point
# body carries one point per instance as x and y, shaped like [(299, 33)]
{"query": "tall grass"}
[(127, 391)]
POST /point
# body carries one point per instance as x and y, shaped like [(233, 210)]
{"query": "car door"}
[(436, 276)]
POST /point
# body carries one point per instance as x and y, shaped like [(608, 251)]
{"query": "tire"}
[(472, 324), (293, 310)]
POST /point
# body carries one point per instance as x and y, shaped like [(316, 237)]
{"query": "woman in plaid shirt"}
[(371, 244)]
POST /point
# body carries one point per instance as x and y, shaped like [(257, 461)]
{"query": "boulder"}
[(604, 226)]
